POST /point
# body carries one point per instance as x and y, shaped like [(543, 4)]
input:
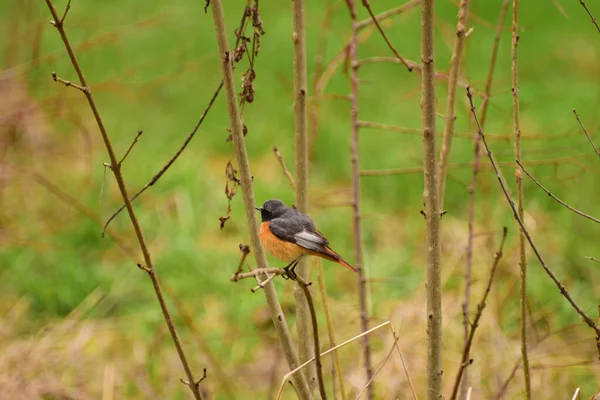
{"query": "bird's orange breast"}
[(285, 251)]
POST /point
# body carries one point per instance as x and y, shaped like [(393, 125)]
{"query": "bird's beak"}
[(259, 209)]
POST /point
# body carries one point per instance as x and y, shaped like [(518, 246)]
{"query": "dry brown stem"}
[(455, 61), (473, 186), (563, 290), (520, 200), (490, 77), (239, 145), (116, 169), (432, 205), (465, 359), (317, 347), (301, 139), (336, 368), (356, 218)]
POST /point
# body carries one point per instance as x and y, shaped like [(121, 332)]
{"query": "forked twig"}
[(137, 136), (563, 290), (387, 14), (245, 249), (68, 83), (366, 4), (116, 169), (587, 135), (465, 360), (171, 161), (549, 193)]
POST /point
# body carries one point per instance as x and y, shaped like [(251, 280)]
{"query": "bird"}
[(289, 235)]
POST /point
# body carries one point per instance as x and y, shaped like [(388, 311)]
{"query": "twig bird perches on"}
[(289, 235)]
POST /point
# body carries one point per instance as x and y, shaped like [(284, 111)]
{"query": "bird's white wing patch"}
[(310, 240)]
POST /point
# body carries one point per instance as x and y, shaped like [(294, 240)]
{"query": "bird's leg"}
[(289, 270)]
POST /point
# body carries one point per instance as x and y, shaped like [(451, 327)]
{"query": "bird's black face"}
[(272, 209)]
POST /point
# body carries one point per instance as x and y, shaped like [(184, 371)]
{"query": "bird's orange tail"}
[(333, 256)]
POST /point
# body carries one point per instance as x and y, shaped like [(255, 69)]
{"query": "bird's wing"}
[(299, 229), (311, 240)]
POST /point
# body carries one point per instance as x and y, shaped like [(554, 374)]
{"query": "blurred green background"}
[(81, 321)]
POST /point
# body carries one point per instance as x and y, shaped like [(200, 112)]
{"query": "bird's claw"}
[(289, 274)]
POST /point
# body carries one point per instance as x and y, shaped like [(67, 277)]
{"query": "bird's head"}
[(272, 209)]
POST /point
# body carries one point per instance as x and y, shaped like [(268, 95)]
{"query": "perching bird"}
[(289, 235)]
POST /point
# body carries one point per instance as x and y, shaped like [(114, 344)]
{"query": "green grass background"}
[(153, 66)]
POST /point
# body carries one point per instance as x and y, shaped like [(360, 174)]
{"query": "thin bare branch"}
[(256, 273), (317, 347), (465, 359), (387, 14), (245, 250), (68, 83), (139, 133), (116, 169), (67, 8), (301, 141), (385, 360), (587, 135), (286, 171), (473, 186), (563, 290), (576, 211), (367, 5), (520, 199), (164, 169), (404, 367), (432, 210), (455, 61), (463, 135), (412, 170), (587, 10), (593, 259), (504, 386), (356, 218), (336, 369), (490, 76)]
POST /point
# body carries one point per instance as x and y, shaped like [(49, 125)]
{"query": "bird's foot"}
[(289, 273)]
